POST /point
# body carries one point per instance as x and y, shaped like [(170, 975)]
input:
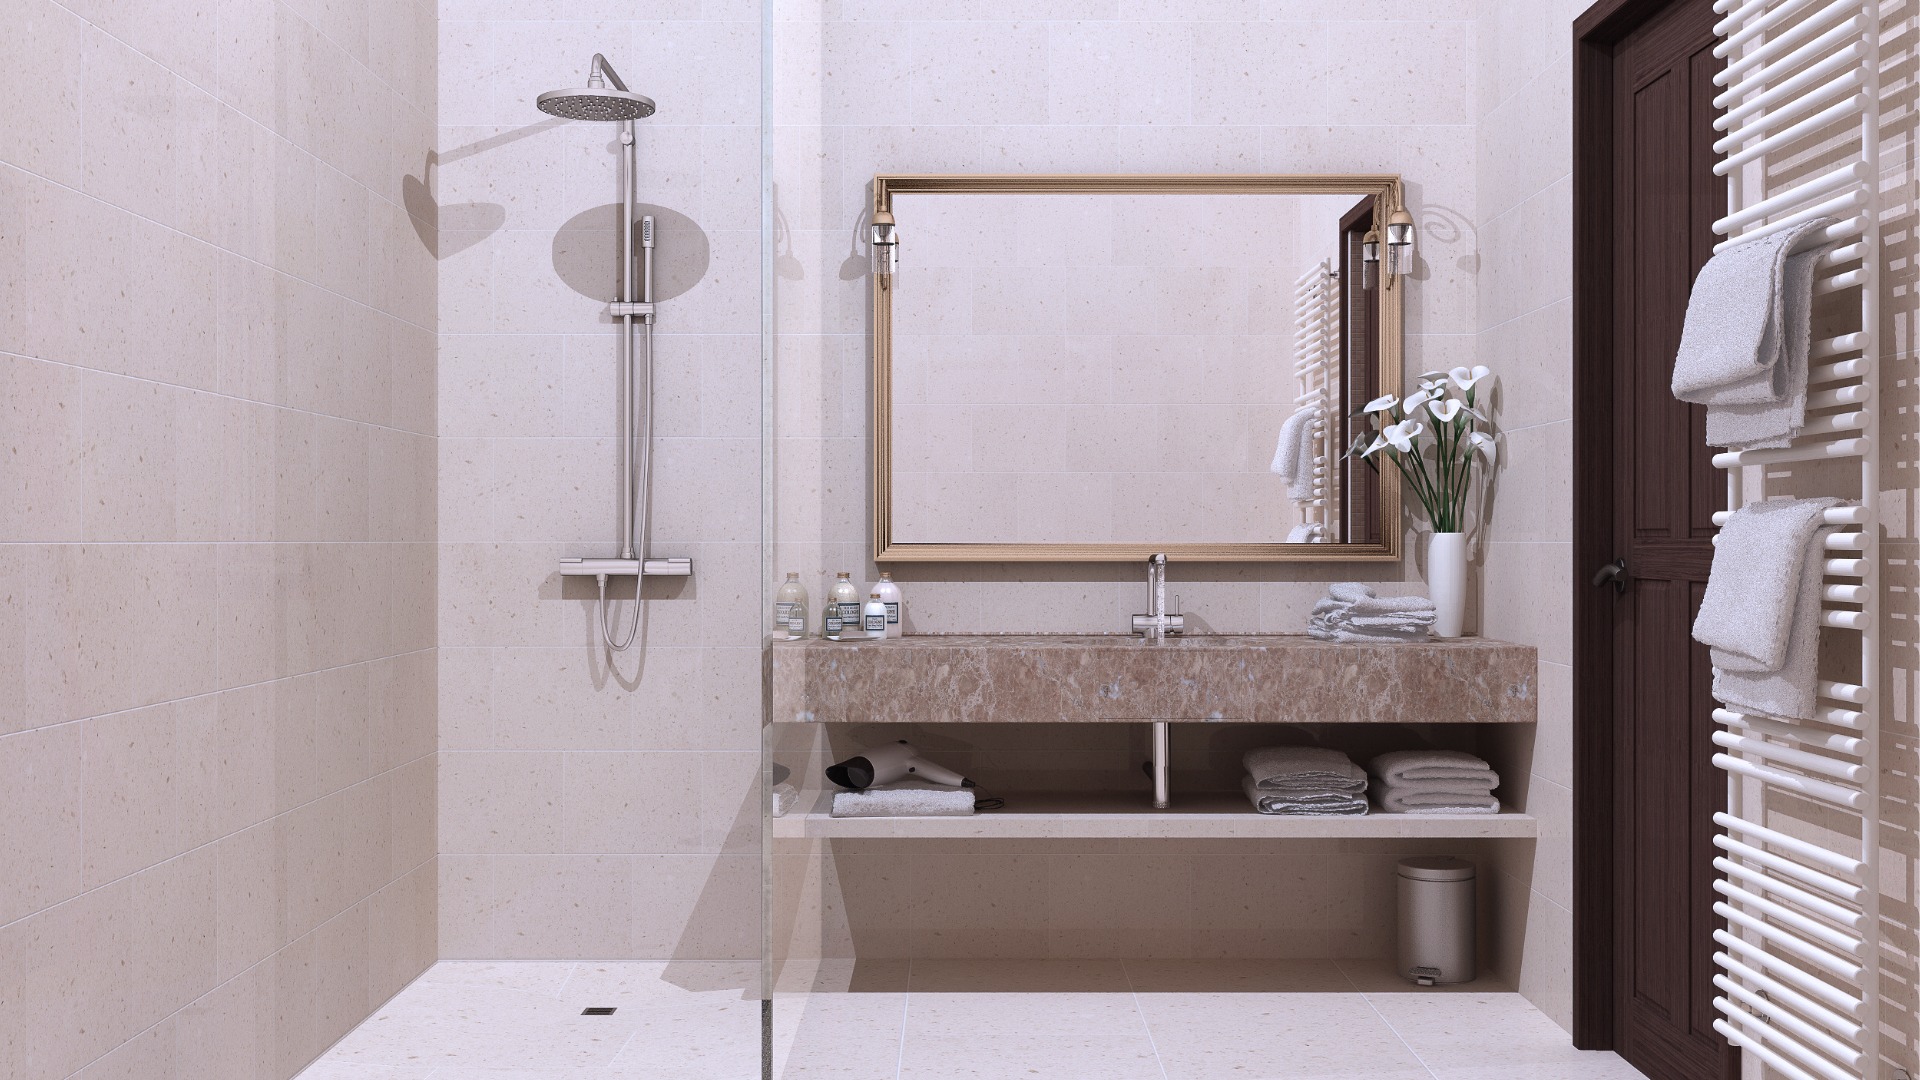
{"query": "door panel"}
[(1665, 491)]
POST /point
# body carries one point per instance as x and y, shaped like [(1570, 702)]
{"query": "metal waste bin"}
[(1436, 920)]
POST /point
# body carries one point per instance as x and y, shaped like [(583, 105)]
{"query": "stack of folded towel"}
[(1307, 780), (1351, 612), (1743, 347), (1761, 611), (1293, 456), (1433, 782), (909, 798)]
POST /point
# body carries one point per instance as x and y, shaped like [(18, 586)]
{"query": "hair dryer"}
[(890, 762)]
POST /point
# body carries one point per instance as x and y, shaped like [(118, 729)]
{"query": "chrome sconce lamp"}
[(1399, 243), (884, 238), (1370, 259)]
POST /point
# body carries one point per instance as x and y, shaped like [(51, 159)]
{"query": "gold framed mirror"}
[(1098, 368)]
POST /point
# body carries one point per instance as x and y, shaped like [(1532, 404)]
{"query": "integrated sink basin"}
[(1226, 678)]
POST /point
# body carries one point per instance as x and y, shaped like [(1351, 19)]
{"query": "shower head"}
[(595, 101)]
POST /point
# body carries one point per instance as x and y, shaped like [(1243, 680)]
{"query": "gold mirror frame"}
[(1388, 195)]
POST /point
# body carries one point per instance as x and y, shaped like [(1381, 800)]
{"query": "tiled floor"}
[(1070, 1020)]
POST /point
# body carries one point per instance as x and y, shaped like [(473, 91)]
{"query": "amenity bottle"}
[(873, 617), (790, 607), (889, 594), (845, 600)]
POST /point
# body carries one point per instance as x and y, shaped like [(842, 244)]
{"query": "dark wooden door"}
[(1664, 493)]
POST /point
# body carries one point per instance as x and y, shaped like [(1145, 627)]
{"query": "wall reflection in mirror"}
[(1079, 373)]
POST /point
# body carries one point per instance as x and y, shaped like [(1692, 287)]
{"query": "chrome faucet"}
[(1157, 623)]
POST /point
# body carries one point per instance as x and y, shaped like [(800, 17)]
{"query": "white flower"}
[(1464, 379), (1444, 411), (1434, 375), (1417, 399), (1401, 435), (1433, 385), (1378, 442), (1381, 404), (1484, 443)]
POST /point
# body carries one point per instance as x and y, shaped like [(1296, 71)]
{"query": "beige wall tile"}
[(42, 801)]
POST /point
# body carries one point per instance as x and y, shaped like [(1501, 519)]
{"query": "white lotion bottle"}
[(845, 596), (873, 617), (790, 607), (889, 594)]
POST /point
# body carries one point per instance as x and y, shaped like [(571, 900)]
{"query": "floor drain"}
[(597, 1010)]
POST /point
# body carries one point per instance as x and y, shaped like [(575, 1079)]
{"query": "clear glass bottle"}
[(831, 623), (846, 597), (873, 617), (790, 607), (889, 594)]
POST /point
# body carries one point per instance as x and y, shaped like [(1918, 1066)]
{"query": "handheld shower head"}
[(595, 101)]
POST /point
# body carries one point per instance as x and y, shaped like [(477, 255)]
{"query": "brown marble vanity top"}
[(1039, 678)]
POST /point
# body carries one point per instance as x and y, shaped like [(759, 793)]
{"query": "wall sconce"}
[(1370, 259), (885, 240), (1400, 243)]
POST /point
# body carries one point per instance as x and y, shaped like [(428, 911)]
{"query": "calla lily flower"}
[(1465, 378), (1485, 444), (1444, 411), (1378, 442), (1381, 404), (1401, 435), (1417, 399), (1433, 385)]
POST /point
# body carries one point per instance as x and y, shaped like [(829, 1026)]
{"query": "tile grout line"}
[(906, 1008), (1133, 992), (1396, 1034)]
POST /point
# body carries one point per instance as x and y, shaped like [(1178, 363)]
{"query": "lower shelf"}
[(1120, 816)]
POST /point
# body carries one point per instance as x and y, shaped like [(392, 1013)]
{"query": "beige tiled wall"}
[(217, 532), (1086, 86), (596, 805), (1524, 157)]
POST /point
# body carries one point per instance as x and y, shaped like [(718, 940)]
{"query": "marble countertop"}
[(1228, 678)]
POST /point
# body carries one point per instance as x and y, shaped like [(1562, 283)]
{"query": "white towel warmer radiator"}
[(1316, 305), (1799, 854)]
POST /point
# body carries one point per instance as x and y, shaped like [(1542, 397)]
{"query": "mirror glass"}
[(1119, 369)]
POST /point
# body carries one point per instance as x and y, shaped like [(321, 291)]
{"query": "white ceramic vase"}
[(1447, 582)]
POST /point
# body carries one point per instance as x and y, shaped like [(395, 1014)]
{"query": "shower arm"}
[(600, 66)]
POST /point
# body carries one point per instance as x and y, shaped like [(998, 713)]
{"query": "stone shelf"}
[(1032, 678), (1202, 815)]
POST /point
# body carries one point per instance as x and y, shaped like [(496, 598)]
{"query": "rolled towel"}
[(1326, 804), (784, 798), (905, 799), (1393, 801), (1789, 691), (1759, 561), (1451, 767), (1319, 768)]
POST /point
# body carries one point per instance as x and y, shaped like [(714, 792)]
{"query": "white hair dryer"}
[(889, 763)]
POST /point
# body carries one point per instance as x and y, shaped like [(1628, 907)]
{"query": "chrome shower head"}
[(595, 101)]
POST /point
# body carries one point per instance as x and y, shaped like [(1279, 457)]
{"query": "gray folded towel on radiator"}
[(910, 798), (1790, 690), (1321, 804), (1293, 455), (1297, 769), (1743, 346), (1759, 563)]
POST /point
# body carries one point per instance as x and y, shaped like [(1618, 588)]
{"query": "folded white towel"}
[(1326, 804), (1758, 564), (910, 798), (1392, 801), (1361, 598), (1318, 767), (1426, 766), (1743, 346), (1790, 690), (1293, 454), (1306, 533)]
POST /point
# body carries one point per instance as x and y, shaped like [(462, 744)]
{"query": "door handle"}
[(1616, 572)]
